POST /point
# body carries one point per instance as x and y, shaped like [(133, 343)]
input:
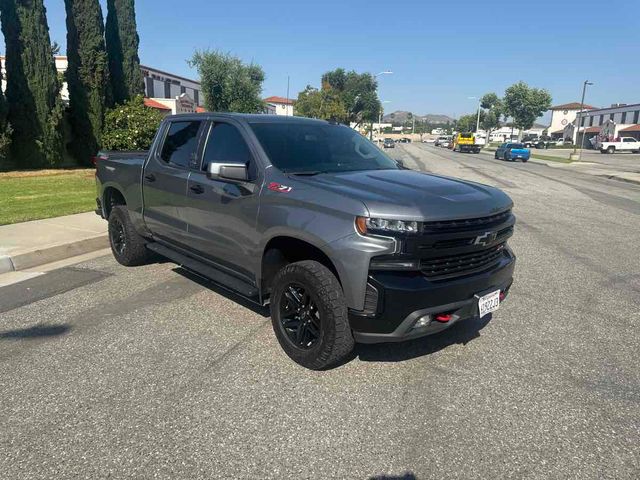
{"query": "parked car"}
[(312, 219), (441, 139), (544, 143), (389, 143), (530, 141), (623, 144), (512, 152)]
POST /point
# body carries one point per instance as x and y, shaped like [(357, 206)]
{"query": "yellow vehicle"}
[(465, 142)]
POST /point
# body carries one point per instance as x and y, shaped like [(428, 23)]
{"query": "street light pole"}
[(385, 72), (579, 122), (479, 104)]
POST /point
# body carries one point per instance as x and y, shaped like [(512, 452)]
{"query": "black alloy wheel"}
[(118, 236), (300, 317)]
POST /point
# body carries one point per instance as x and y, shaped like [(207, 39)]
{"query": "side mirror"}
[(228, 171)]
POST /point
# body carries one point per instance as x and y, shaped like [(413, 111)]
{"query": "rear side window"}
[(225, 145), (181, 143)]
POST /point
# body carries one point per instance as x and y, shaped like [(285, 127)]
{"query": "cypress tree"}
[(87, 76), (35, 109), (122, 48), (5, 132)]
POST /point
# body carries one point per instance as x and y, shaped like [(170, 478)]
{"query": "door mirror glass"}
[(228, 171)]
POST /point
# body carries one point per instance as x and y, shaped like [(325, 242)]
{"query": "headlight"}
[(381, 225)]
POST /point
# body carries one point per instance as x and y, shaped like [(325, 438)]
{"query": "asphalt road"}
[(150, 373)]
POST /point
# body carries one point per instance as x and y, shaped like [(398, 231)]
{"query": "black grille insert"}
[(465, 224), (461, 265)]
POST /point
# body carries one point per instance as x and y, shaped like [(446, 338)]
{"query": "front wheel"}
[(309, 315)]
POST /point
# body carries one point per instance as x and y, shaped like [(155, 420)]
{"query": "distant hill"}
[(401, 117)]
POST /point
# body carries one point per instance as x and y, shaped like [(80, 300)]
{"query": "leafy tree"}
[(357, 92), (325, 104), (228, 84), (344, 96), (467, 123), (493, 109), (525, 104), (131, 126), (87, 76), (122, 42), (35, 110)]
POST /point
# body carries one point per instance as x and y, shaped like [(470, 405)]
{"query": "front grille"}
[(461, 265), (466, 224)]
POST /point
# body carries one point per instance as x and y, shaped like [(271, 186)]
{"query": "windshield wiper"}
[(308, 173)]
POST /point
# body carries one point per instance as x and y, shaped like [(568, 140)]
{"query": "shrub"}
[(131, 126)]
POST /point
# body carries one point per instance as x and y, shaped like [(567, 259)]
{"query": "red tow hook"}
[(443, 318), (503, 295)]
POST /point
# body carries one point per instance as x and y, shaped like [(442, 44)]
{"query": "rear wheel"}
[(496, 156), (309, 315), (128, 247), (611, 150)]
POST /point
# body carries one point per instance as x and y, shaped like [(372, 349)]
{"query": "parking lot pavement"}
[(151, 372)]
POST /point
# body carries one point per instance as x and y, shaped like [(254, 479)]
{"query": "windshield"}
[(318, 147), (516, 145)]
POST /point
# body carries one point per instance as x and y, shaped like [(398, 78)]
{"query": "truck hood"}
[(411, 195)]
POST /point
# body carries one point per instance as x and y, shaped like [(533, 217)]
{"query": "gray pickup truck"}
[(309, 217)]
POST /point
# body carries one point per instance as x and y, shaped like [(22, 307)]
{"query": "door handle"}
[(198, 189), (150, 177)]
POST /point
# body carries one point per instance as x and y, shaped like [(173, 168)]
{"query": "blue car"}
[(512, 152)]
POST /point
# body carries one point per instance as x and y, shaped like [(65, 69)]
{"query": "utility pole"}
[(288, 81), (579, 118), (478, 122)]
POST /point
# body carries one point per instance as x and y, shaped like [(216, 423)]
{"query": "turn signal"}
[(361, 225)]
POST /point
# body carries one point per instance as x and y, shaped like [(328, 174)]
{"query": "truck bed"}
[(123, 171)]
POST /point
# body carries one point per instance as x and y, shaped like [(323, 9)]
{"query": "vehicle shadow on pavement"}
[(214, 287), (406, 476), (461, 333), (32, 333)]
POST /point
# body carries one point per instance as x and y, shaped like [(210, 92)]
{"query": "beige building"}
[(563, 115), (279, 106)]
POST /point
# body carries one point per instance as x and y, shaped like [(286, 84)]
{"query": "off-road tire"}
[(134, 251), (335, 341)]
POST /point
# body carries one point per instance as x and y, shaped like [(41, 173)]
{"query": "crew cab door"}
[(165, 179), (629, 143), (222, 213)]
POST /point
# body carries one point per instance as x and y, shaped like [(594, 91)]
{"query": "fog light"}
[(423, 322)]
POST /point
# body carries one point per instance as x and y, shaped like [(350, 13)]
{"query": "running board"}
[(211, 273)]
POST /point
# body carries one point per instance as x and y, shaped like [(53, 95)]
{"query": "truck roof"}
[(248, 117)]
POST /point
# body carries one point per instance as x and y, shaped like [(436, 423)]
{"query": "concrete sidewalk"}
[(31, 244)]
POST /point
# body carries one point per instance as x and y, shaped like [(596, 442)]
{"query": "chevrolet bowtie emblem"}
[(485, 239)]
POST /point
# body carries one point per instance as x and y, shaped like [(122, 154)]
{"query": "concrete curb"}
[(54, 253)]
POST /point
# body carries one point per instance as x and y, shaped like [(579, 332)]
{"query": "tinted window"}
[(225, 145), (181, 143), (516, 145), (322, 147)]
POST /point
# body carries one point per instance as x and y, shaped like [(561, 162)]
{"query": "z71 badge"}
[(278, 187)]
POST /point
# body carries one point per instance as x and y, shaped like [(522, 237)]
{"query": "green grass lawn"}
[(28, 196)]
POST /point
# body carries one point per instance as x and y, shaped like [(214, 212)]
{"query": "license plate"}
[(489, 303)]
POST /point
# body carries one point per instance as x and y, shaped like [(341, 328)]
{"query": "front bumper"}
[(404, 298)]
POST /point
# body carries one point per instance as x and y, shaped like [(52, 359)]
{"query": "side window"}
[(226, 145), (181, 143)]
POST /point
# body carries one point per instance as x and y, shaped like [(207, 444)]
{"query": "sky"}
[(441, 53)]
